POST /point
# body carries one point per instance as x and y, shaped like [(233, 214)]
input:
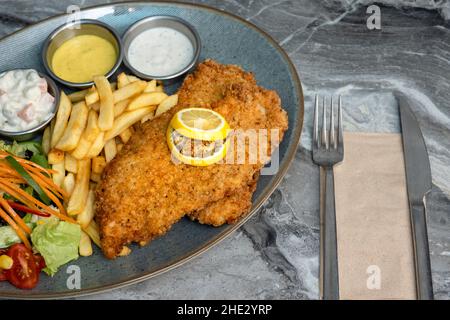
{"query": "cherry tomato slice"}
[(24, 273)]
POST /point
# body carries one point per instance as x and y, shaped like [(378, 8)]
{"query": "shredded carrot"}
[(46, 181), (13, 225), (14, 215), (7, 170), (11, 183), (17, 196), (16, 180), (4, 154), (13, 190), (56, 201)]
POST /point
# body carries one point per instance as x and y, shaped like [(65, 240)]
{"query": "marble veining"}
[(275, 254)]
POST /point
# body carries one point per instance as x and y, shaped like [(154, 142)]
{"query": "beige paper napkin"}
[(374, 237)]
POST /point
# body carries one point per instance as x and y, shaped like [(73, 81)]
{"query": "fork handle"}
[(329, 263)]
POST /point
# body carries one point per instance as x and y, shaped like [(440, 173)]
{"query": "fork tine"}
[(332, 127), (324, 125), (316, 142), (340, 125)]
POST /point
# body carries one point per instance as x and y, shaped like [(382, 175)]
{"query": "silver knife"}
[(418, 180)]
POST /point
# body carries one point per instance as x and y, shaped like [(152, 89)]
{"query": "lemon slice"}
[(218, 154), (200, 124)]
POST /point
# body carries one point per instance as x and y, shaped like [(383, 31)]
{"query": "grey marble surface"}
[(275, 254)]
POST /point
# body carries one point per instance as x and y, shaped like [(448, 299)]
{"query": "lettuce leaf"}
[(57, 241)]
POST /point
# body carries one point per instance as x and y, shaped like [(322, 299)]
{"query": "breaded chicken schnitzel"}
[(142, 192)]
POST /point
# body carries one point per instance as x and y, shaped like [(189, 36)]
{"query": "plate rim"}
[(290, 155)]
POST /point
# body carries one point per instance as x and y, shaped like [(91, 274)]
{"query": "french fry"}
[(96, 177), (82, 149), (147, 99), (132, 78), (124, 252), (60, 173), (46, 137), (95, 106), (80, 192), (96, 146), (70, 163), (129, 90), (159, 88), (106, 115), (55, 156), (151, 86), (94, 233), (148, 117), (62, 117), (92, 129), (85, 217), (75, 127), (126, 120), (92, 97), (89, 135), (120, 94), (52, 126), (119, 147), (110, 150), (125, 135), (68, 183), (85, 246), (98, 164), (120, 107), (167, 104), (122, 80), (78, 96)]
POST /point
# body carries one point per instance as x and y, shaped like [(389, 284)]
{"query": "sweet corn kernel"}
[(5, 262)]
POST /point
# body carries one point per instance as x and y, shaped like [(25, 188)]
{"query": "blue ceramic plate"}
[(225, 38)]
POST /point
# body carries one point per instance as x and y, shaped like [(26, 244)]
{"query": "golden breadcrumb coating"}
[(143, 192)]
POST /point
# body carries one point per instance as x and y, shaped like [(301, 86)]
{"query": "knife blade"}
[(418, 181)]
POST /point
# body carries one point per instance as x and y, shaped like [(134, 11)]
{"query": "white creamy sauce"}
[(24, 100), (160, 51)]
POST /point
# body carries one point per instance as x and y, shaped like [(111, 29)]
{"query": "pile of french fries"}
[(90, 128)]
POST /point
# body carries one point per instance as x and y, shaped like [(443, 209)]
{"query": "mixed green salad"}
[(34, 234)]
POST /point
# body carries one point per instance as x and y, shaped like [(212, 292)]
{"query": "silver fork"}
[(328, 150)]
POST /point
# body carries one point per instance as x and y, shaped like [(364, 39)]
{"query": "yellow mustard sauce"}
[(81, 58)]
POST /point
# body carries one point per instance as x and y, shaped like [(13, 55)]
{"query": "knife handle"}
[(422, 253), (329, 263)]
